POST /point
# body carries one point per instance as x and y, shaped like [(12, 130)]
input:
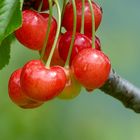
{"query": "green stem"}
[(57, 33), (63, 8), (73, 34), (93, 23), (40, 6), (83, 17), (48, 30)]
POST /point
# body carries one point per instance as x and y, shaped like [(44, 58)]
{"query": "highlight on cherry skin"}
[(41, 83), (33, 31), (91, 68), (72, 88), (17, 95), (67, 21)]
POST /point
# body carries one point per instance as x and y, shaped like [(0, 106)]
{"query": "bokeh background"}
[(94, 116)]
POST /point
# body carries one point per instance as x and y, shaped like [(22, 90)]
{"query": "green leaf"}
[(10, 17), (5, 51)]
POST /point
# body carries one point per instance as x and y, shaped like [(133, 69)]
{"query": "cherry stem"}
[(57, 33), (83, 17), (73, 34), (40, 6), (63, 8), (48, 30), (93, 23)]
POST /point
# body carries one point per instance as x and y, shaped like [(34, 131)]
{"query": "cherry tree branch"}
[(122, 90)]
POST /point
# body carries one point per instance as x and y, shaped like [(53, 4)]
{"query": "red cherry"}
[(33, 31), (56, 59), (17, 95), (45, 5), (68, 16), (81, 42), (41, 83), (72, 88), (35, 4), (91, 68)]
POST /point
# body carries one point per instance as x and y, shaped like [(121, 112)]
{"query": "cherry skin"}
[(41, 83), (81, 42), (72, 88), (45, 5), (17, 95), (97, 42), (91, 68), (56, 59), (33, 31), (35, 4), (68, 17)]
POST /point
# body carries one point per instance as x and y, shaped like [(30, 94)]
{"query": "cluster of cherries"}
[(68, 59)]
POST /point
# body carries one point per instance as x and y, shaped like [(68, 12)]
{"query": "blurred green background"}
[(95, 116)]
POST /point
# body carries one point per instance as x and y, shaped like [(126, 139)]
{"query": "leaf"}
[(5, 51), (10, 17)]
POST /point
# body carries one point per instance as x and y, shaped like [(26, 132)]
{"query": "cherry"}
[(81, 42), (91, 68), (41, 83), (17, 95), (35, 4), (72, 88), (68, 17), (33, 31), (45, 5), (56, 59)]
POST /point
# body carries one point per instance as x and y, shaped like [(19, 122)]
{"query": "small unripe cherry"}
[(91, 68), (17, 95), (72, 88)]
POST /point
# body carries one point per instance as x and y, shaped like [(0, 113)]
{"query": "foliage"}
[(10, 20)]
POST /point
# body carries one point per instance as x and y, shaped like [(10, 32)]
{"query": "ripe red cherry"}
[(91, 68), (41, 83), (45, 5), (68, 17), (33, 31), (56, 59), (72, 88), (17, 95), (35, 4), (81, 42)]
